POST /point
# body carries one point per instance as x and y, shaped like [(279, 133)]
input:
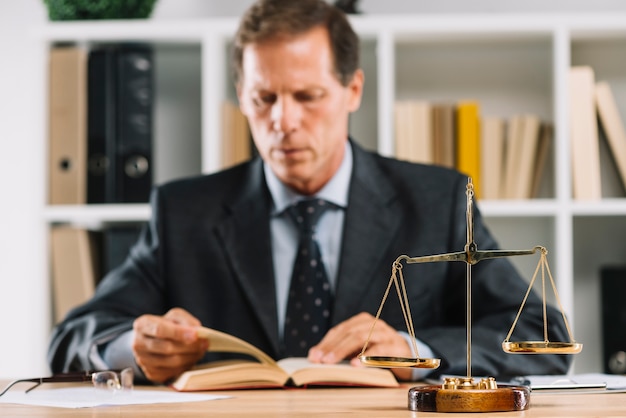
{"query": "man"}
[(218, 250)]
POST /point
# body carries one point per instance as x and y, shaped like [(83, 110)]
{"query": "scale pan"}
[(417, 363), (541, 347)]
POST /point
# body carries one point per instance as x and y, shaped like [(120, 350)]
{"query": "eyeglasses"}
[(109, 379)]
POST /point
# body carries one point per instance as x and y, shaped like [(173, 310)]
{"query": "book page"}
[(303, 372), (226, 343)]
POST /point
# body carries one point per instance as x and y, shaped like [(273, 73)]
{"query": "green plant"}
[(98, 9)]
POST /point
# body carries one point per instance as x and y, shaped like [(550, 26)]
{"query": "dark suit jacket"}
[(207, 249)]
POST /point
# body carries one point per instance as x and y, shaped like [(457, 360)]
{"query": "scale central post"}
[(468, 318), (470, 250)]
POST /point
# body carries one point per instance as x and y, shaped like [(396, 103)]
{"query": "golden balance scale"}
[(465, 394)]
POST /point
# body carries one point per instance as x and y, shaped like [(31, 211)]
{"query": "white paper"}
[(86, 397)]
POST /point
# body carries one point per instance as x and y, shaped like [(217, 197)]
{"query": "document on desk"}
[(87, 397), (576, 383)]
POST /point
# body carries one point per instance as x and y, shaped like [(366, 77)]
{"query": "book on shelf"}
[(262, 371), (505, 158), (80, 257), (546, 134), (443, 129), (468, 142), (75, 267), (513, 156), (401, 123), (584, 134), (612, 126), (491, 164), (67, 107), (120, 134), (413, 129), (236, 141), (529, 138), (613, 316), (512, 149), (421, 134)]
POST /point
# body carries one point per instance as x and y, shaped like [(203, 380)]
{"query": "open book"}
[(265, 372)]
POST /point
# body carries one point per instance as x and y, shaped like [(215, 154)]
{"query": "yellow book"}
[(468, 142), (262, 371)]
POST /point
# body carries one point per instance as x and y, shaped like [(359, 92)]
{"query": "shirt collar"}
[(335, 191)]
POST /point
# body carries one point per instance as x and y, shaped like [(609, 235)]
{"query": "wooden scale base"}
[(463, 395)]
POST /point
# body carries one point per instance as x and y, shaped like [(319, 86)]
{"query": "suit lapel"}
[(247, 242), (370, 226)]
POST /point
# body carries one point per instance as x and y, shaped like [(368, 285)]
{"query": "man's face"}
[(297, 108)]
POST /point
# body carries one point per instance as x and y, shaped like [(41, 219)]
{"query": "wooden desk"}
[(344, 402)]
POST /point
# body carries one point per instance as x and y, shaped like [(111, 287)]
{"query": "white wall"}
[(24, 304)]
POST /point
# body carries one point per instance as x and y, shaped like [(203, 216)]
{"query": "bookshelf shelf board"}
[(97, 213), (519, 208), (604, 207), (125, 30)]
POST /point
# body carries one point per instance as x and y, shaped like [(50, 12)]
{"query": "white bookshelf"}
[(509, 63)]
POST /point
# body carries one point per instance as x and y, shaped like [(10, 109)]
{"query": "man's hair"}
[(275, 19)]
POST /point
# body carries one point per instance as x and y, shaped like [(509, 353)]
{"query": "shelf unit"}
[(509, 63)]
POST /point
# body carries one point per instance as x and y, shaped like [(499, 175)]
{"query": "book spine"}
[(444, 149), (584, 135), (67, 125), (236, 140), (121, 90), (422, 136), (468, 142), (613, 126), (401, 127), (543, 150), (101, 126), (613, 288), (135, 91), (74, 267), (492, 146), (530, 136)]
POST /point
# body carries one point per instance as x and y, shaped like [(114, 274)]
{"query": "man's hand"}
[(165, 346), (346, 340)]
